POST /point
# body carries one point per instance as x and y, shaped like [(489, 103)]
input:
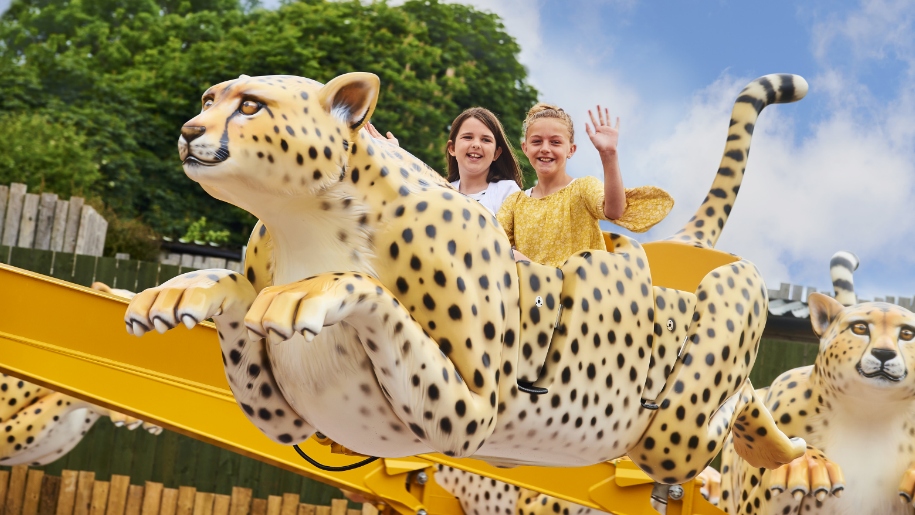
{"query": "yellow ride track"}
[(72, 339)]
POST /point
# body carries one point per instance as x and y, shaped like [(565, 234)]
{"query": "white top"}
[(494, 194)]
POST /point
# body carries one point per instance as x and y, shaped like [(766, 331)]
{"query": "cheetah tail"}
[(704, 228), (842, 267)]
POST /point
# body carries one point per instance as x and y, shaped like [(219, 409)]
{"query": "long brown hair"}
[(505, 167)]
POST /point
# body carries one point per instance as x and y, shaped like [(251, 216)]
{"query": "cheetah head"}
[(275, 137), (864, 348)]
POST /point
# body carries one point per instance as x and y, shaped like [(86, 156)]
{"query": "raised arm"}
[(605, 137)]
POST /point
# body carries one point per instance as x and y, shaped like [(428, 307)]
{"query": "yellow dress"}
[(550, 229)]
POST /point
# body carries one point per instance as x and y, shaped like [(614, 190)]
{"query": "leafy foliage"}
[(113, 80)]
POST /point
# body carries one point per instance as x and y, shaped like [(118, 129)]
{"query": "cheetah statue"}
[(384, 309), (855, 407), (41, 425)]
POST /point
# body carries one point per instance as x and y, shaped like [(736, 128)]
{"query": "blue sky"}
[(835, 171)]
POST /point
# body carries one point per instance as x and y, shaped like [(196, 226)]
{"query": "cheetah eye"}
[(670, 324), (859, 328), (906, 334), (249, 107), (207, 104)]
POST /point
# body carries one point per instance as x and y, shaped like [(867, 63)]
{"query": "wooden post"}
[(241, 501), (338, 506), (290, 504), (274, 504), (152, 498), (4, 199), (203, 503), (85, 233), (72, 230), (258, 507), (46, 208), (101, 232), (117, 494), (61, 208), (50, 489), (307, 509), (32, 492), (13, 214), (83, 493), (369, 509), (186, 497), (322, 510), (169, 501), (4, 482), (67, 496), (16, 490), (28, 221), (221, 504), (134, 500), (100, 491)]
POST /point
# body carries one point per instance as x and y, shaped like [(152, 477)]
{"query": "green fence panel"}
[(227, 464), (84, 270), (166, 272), (22, 257), (186, 464), (106, 269), (147, 276), (63, 266), (4, 254), (42, 261), (126, 275), (144, 456), (102, 437)]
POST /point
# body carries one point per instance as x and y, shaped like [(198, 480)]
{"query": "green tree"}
[(46, 155), (126, 74)]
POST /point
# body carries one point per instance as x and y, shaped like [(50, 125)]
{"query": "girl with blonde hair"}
[(560, 215)]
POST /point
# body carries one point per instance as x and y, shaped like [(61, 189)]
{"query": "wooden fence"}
[(46, 222), (25, 491)]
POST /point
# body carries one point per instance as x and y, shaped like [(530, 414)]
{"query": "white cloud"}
[(4, 5)]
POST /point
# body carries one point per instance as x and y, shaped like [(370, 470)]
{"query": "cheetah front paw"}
[(306, 307), (189, 299), (811, 473)]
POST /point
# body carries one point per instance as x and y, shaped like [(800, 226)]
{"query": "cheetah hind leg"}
[(412, 371)]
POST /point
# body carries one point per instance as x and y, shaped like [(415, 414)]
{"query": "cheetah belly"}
[(330, 382), (577, 433), (55, 441)]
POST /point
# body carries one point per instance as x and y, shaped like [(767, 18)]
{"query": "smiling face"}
[(474, 149), (868, 344), (547, 146)]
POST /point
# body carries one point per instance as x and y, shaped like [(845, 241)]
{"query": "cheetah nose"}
[(883, 355), (191, 133)]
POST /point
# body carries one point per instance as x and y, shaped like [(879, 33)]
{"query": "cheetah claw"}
[(810, 473), (907, 485), (279, 312), (187, 299)]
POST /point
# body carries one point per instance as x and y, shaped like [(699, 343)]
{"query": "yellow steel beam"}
[(72, 339)]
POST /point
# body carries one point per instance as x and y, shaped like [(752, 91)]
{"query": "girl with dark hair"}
[(481, 163)]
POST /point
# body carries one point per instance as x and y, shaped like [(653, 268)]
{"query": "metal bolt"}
[(675, 492), (422, 478), (421, 512)]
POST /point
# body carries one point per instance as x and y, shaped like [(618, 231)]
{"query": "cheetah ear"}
[(351, 97), (823, 311)]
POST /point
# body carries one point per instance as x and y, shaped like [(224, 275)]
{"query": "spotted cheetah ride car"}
[(384, 309), (855, 407)]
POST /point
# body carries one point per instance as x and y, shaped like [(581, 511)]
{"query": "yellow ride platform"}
[(72, 339)]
